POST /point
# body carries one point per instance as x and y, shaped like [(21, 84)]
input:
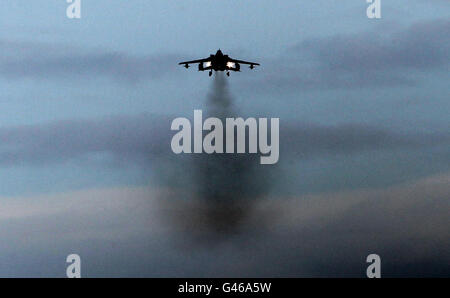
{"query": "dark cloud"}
[(306, 140), (119, 232), (341, 61), (404, 224), (330, 235), (325, 79), (368, 59), (41, 61), (127, 139), (146, 137), (422, 46)]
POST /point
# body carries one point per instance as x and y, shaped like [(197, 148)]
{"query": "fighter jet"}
[(219, 62)]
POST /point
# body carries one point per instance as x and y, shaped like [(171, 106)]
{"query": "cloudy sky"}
[(85, 160)]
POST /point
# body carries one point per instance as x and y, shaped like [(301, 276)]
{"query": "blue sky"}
[(363, 105), (185, 30)]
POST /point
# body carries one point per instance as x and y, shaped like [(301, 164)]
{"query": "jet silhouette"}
[(219, 62)]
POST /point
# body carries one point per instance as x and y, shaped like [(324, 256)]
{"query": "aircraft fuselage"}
[(218, 62)]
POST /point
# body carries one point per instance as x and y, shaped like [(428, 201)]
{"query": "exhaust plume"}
[(215, 193)]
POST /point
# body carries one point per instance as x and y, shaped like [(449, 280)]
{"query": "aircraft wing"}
[(242, 62), (194, 61)]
